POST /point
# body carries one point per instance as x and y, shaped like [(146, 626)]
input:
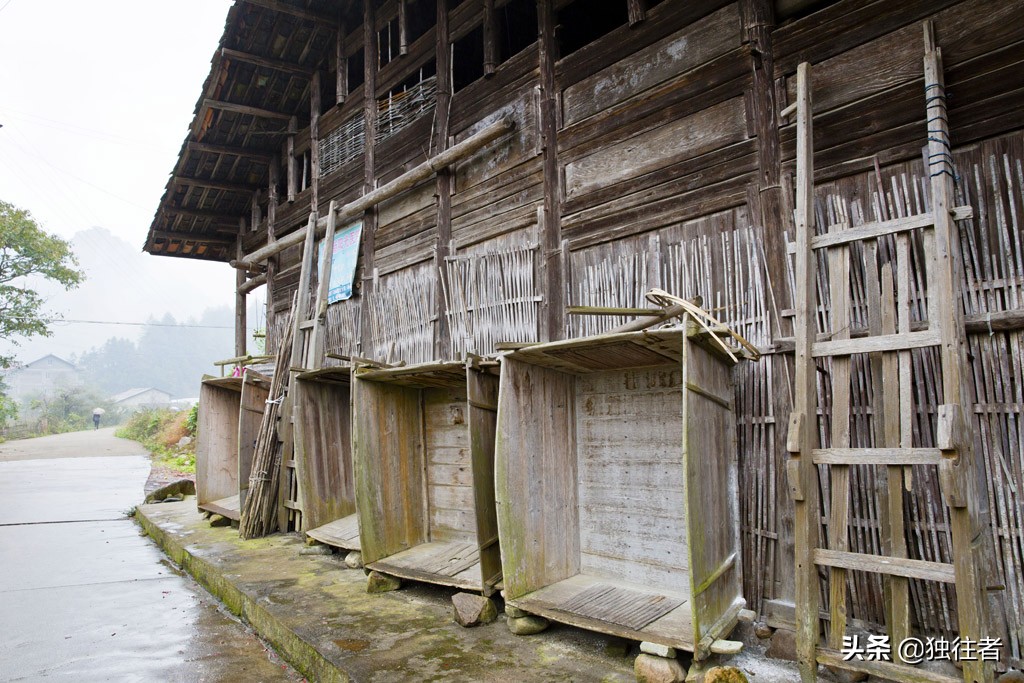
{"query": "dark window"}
[(420, 16), (517, 27), (468, 59), (387, 42), (581, 22), (355, 70)]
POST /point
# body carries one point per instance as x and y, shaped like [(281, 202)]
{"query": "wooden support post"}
[(805, 486), (960, 475), (442, 247), (369, 175), (292, 163), (490, 27), (637, 11), (256, 215), (341, 66), (403, 27), (274, 174), (552, 323), (240, 277), (314, 141)]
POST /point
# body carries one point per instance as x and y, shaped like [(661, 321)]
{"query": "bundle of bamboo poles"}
[(259, 511)]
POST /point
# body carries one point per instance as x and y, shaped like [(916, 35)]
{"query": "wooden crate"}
[(616, 486), (423, 449), (323, 456), (230, 412)]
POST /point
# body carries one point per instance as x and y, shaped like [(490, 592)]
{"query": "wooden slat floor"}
[(615, 607), (341, 533), (448, 563), (229, 507)]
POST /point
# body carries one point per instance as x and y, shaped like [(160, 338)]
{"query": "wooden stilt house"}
[(510, 160)]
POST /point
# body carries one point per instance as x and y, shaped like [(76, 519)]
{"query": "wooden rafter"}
[(227, 149), (266, 62), (298, 12), (214, 184), (189, 237), (244, 109)]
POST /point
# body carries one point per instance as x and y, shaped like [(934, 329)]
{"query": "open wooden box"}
[(616, 486), (423, 449), (323, 456), (228, 421)]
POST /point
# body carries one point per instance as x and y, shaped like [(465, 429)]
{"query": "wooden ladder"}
[(888, 346), (308, 333)]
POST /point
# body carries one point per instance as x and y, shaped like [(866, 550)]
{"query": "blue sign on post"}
[(343, 262)]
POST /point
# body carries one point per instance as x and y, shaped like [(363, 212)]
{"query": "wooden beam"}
[(240, 277), (490, 26), (637, 11), (552, 322), (444, 181), (226, 149), (267, 62), (189, 237), (253, 282), (400, 184), (201, 213), (214, 184), (245, 109), (341, 66), (298, 12)]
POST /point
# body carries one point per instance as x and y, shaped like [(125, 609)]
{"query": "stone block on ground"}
[(318, 549), (725, 674), (472, 610), (1011, 677), (382, 583), (657, 650), (655, 669), (514, 612), (354, 560), (783, 645), (528, 625), (219, 520), (178, 489)]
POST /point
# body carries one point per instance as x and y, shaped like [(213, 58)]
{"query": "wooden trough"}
[(616, 486), (323, 456), (423, 449), (230, 411)]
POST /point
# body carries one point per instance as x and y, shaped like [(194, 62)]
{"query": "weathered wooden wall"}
[(654, 157)]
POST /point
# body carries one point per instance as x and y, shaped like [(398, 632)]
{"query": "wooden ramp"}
[(452, 563), (618, 607), (229, 507), (342, 533)]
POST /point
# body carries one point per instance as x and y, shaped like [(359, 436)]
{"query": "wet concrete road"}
[(84, 596)]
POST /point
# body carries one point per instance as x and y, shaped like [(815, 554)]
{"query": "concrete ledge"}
[(316, 613)]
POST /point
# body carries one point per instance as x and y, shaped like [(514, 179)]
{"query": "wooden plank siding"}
[(655, 156)]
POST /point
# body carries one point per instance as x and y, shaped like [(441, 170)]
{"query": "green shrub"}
[(160, 431)]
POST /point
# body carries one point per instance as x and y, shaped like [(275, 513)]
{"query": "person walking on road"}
[(96, 412)]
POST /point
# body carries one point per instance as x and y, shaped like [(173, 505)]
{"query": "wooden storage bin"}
[(323, 456), (228, 421), (423, 449), (616, 486)]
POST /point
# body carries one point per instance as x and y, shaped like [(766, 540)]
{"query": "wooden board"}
[(562, 602), (535, 477), (629, 431), (229, 507), (341, 533), (217, 440), (252, 403), (451, 563), (692, 136), (449, 467), (323, 451)]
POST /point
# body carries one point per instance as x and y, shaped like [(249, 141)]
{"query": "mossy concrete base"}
[(318, 616)]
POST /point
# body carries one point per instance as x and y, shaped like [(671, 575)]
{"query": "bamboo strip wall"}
[(402, 316), (491, 297)]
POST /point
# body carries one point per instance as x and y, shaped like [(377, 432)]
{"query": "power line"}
[(117, 322)]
